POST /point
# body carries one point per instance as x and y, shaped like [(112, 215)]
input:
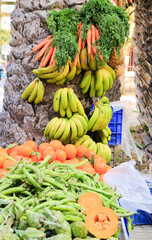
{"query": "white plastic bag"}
[(131, 185), (127, 142)]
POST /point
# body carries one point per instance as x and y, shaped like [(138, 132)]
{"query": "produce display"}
[(55, 190), (49, 201)]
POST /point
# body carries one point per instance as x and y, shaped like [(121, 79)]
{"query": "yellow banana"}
[(29, 89), (72, 72), (61, 81), (64, 98), (105, 79), (92, 62), (99, 148), (78, 71), (83, 121), (93, 118), (49, 126), (79, 106), (56, 100), (86, 78), (110, 70), (63, 73), (40, 93), (98, 80), (61, 129), (79, 126), (99, 93), (41, 71), (99, 121), (74, 131), (62, 111), (106, 153), (87, 142), (78, 63), (84, 59), (92, 86), (49, 75), (93, 146), (33, 94), (65, 138), (81, 140), (68, 111), (72, 100), (54, 129), (108, 130)]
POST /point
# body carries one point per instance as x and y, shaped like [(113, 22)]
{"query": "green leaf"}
[(11, 145)]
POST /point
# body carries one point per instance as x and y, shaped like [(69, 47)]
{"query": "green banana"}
[(79, 126), (99, 93), (109, 138), (92, 86), (84, 59), (83, 121), (72, 100), (29, 89), (98, 122), (100, 64), (81, 140), (86, 78), (61, 129), (64, 98), (105, 79), (104, 140), (93, 118), (92, 62), (54, 129), (63, 73), (74, 131), (108, 130), (33, 94), (105, 120), (49, 126), (65, 138), (56, 100), (61, 81), (40, 93), (104, 100), (104, 132), (106, 153), (98, 80), (86, 88), (110, 79)]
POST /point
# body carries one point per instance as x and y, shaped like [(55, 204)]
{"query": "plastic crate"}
[(116, 126)]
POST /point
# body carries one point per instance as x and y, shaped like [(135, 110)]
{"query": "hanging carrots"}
[(37, 47)]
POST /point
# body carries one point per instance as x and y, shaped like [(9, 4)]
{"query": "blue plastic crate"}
[(116, 126)]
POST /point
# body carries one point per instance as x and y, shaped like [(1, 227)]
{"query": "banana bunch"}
[(97, 82), (34, 91), (103, 136), (66, 103), (52, 75), (67, 130), (99, 148), (101, 116)]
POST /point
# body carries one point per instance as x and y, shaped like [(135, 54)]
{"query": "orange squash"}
[(102, 222), (89, 200)]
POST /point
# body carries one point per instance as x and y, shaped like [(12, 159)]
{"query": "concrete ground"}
[(143, 232)]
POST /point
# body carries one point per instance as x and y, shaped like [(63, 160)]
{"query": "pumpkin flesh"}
[(102, 222)]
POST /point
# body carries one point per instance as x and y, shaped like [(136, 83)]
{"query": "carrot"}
[(53, 57), (38, 46), (130, 1), (93, 38), (48, 57), (76, 59), (43, 50), (83, 44), (89, 42), (121, 3), (42, 61), (80, 42)]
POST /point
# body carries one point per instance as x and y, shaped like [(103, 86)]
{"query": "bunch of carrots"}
[(120, 2), (47, 52), (70, 154)]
